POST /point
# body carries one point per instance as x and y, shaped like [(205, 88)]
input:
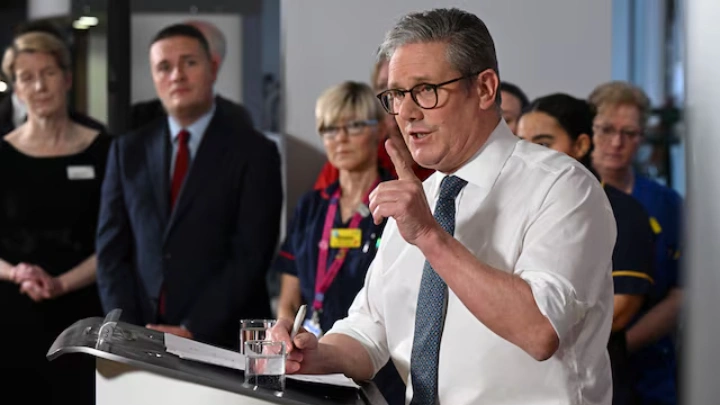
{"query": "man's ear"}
[(487, 86)]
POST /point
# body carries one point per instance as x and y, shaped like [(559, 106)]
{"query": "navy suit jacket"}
[(212, 251)]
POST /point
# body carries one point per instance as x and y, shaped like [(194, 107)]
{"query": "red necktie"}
[(182, 161)]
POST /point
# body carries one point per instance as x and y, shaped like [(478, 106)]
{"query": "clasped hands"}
[(36, 283)]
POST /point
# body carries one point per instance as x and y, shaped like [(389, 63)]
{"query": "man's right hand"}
[(302, 352), (337, 353)]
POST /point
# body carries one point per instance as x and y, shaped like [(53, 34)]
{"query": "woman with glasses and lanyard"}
[(564, 123), (332, 238)]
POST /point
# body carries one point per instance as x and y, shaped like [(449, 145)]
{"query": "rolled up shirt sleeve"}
[(567, 252)]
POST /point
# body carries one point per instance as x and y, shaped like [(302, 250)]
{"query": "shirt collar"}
[(484, 167), (196, 129)]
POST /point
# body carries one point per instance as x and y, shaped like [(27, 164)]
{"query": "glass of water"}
[(265, 365), (254, 329)]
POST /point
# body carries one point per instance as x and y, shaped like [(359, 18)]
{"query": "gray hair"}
[(470, 47)]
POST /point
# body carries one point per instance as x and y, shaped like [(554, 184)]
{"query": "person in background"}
[(564, 123), (329, 173), (145, 112), (618, 128), (51, 169), (314, 261), (471, 300), (514, 102), (13, 111), (190, 209)]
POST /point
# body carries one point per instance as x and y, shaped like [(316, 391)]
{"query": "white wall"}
[(543, 46), (701, 355), (144, 26), (48, 8)]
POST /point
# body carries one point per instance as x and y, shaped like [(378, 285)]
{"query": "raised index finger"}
[(401, 158)]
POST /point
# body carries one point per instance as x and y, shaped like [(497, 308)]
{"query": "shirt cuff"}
[(557, 301), (369, 334)]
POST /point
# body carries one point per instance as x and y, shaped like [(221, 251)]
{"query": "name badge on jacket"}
[(80, 172), (345, 238)]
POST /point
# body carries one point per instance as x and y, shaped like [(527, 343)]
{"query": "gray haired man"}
[(493, 282)]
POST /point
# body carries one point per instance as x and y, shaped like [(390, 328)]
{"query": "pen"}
[(299, 318)]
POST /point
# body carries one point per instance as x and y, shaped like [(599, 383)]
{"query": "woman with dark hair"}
[(564, 123)]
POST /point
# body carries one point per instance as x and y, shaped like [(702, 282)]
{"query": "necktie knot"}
[(450, 187), (183, 136)]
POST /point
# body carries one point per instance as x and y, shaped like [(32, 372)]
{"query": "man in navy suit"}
[(190, 210)]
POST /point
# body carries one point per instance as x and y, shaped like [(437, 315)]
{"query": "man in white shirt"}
[(503, 293)]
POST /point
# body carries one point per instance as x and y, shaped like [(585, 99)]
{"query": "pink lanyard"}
[(325, 275)]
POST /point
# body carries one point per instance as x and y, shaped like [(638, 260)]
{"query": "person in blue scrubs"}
[(332, 238), (618, 127), (564, 123)]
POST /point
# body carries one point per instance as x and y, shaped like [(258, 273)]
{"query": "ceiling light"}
[(88, 21)]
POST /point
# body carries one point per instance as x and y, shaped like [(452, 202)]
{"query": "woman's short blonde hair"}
[(618, 93), (35, 42), (348, 100)]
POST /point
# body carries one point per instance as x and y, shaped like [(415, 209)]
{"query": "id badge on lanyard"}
[(312, 325), (343, 240)]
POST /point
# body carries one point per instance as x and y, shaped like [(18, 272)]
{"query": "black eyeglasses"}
[(424, 95)]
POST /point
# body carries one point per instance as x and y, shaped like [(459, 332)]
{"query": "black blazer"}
[(213, 251), (145, 112)]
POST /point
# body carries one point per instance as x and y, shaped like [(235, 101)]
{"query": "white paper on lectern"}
[(196, 351), (338, 380)]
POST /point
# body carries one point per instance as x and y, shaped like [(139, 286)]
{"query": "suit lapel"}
[(203, 168), (157, 156)]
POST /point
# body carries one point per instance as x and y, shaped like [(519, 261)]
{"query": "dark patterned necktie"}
[(431, 307)]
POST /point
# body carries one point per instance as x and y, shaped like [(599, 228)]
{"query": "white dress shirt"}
[(527, 211)]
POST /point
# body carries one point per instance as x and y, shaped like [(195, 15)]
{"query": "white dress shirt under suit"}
[(528, 211)]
